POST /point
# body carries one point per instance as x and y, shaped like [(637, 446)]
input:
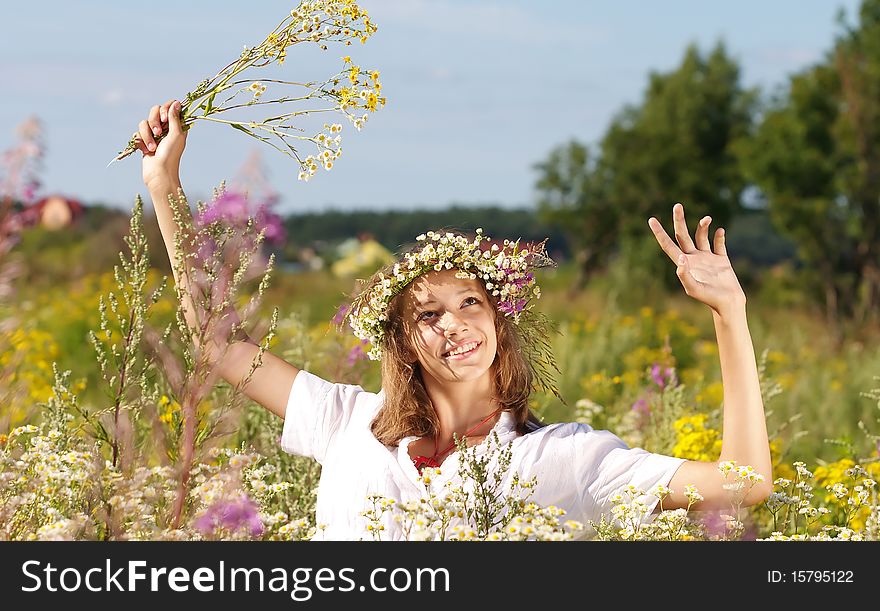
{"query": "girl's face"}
[(447, 314)]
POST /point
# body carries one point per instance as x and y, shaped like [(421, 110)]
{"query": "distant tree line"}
[(395, 229)]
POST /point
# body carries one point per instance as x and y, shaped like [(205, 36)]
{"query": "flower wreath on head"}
[(505, 271)]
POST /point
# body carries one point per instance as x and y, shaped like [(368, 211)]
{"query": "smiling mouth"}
[(462, 355)]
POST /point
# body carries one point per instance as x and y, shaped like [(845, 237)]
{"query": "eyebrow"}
[(420, 304)]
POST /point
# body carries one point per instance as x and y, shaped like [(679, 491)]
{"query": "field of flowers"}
[(113, 427)]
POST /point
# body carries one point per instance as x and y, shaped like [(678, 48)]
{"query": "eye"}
[(422, 315)]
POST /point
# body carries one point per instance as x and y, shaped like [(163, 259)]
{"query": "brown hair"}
[(407, 409)]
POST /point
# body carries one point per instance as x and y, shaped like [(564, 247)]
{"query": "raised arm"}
[(270, 384), (709, 277)]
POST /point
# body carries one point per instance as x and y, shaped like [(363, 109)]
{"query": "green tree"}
[(568, 197), (857, 61), (677, 145), (816, 158), (795, 160)]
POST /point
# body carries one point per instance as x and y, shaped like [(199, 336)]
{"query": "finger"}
[(154, 121), (720, 245), (682, 274), (174, 126), (666, 243), (702, 233), (163, 111), (139, 143), (690, 284), (681, 230), (147, 135)]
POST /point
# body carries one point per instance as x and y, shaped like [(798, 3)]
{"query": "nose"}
[(451, 323)]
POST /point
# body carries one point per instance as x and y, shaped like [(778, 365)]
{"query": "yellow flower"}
[(826, 476), (168, 408), (694, 440), (372, 99)]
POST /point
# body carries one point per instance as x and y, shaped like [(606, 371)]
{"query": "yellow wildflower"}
[(372, 99), (694, 440)]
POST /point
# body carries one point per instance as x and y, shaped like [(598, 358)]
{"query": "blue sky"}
[(478, 90)]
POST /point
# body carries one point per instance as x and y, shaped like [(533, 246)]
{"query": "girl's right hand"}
[(162, 160)]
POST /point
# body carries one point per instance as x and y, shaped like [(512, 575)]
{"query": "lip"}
[(459, 357)]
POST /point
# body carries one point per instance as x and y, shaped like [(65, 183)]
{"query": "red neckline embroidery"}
[(432, 461)]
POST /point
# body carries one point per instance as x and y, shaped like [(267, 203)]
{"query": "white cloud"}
[(112, 97), (440, 73), (789, 57)]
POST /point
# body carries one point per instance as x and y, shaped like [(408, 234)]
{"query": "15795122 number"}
[(803, 576)]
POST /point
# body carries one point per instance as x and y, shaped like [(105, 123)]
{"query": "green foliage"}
[(677, 145), (88, 246), (123, 365), (816, 157), (570, 197)]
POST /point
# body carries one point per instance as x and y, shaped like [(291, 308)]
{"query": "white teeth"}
[(463, 349)]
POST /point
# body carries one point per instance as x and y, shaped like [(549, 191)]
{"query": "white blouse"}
[(578, 468)]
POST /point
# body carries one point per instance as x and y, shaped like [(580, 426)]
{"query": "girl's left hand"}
[(706, 276)]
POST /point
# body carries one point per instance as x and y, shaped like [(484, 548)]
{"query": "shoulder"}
[(571, 430), (570, 440), (319, 410)]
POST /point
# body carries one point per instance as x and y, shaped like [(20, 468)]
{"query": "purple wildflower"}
[(716, 525), (655, 375), (234, 209), (230, 207), (241, 513), (357, 353), (206, 250), (272, 224), (507, 307), (663, 378), (522, 281), (641, 407), (339, 317)]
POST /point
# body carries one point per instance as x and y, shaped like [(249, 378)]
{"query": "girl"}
[(460, 355)]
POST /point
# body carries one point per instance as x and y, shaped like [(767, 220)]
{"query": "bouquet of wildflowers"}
[(353, 92)]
